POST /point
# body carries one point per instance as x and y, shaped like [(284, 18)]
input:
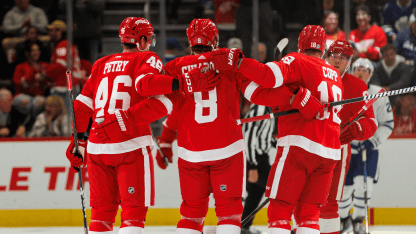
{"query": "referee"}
[(258, 137)]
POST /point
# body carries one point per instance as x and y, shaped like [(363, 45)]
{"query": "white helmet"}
[(363, 62)]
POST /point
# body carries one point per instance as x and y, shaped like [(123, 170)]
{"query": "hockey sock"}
[(329, 221)]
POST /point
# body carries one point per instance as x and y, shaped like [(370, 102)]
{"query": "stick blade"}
[(280, 47)]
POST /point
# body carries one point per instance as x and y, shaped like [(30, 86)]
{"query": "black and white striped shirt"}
[(258, 136)]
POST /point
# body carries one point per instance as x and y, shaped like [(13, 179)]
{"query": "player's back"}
[(206, 121), (112, 87), (320, 135)]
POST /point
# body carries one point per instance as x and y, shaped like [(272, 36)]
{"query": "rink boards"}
[(37, 187)]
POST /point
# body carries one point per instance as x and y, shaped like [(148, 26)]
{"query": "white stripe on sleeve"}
[(277, 74), (166, 101), (250, 90), (86, 100), (139, 78)]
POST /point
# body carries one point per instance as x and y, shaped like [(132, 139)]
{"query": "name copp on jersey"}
[(321, 135), (111, 87), (206, 121)]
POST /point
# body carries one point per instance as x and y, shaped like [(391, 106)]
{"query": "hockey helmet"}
[(133, 28), (363, 62), (312, 37), (341, 47), (202, 32)]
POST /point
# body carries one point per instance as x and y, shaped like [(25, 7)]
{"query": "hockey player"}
[(210, 144), (339, 55), (120, 169), (354, 188), (308, 145)]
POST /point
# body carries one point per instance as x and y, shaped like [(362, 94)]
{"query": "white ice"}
[(171, 229)]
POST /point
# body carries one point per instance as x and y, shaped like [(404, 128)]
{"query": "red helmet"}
[(133, 28), (312, 37), (341, 47), (202, 32)]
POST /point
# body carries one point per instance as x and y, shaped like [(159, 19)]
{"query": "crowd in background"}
[(33, 94)]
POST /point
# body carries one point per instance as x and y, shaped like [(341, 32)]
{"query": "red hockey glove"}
[(114, 126), (196, 80), (308, 105), (167, 151), (353, 132), (76, 159), (165, 143), (226, 59)]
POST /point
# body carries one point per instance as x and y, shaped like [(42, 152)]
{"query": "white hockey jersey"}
[(384, 116)]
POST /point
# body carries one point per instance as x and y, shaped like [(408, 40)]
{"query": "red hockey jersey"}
[(112, 86), (58, 67), (321, 135), (355, 87), (206, 121), (24, 79), (370, 42)]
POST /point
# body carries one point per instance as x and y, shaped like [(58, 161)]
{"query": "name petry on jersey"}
[(117, 82)]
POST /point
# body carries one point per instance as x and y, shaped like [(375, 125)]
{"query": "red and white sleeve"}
[(83, 107), (264, 96), (148, 78)]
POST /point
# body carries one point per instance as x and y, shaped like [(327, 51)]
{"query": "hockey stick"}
[(347, 101), (74, 131), (364, 154), (360, 112), (250, 216), (165, 159), (279, 48), (345, 126)]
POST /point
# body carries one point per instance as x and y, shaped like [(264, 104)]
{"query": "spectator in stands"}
[(29, 79), (225, 19), (13, 122), (368, 38), (332, 30), (235, 42), (405, 115), (53, 121), (245, 26), (172, 48), (391, 72), (32, 37), (22, 16), (87, 26), (396, 15), (405, 42), (56, 71)]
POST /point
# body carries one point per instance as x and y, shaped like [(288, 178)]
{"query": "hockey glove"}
[(165, 143), (115, 126), (366, 145), (197, 81), (353, 132), (76, 159), (226, 59), (308, 105)]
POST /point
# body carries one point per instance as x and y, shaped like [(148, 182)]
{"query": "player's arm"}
[(166, 139), (144, 112), (361, 129), (263, 96), (83, 107), (385, 123)]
